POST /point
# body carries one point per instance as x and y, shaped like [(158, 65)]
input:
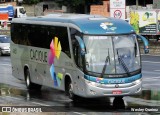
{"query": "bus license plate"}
[(117, 92)]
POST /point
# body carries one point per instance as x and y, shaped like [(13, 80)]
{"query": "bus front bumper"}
[(94, 90)]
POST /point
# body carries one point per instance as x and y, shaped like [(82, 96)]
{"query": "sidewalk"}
[(154, 48)]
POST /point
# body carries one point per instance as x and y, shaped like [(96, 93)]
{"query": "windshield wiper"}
[(123, 64), (105, 65)]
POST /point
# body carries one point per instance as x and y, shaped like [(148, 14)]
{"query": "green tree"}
[(72, 3), (79, 4), (32, 1)]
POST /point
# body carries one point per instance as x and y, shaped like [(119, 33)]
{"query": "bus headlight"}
[(137, 81), (92, 83)]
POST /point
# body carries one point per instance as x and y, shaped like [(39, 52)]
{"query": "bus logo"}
[(116, 86), (108, 26), (55, 51)]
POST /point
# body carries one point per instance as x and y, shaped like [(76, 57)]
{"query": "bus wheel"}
[(118, 103), (70, 93), (29, 84), (0, 52)]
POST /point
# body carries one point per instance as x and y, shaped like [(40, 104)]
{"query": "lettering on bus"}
[(38, 55), (113, 81)]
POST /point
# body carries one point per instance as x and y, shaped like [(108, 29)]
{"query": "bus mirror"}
[(81, 44), (145, 42), (146, 51), (24, 11)]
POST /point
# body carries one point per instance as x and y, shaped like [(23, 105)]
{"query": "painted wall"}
[(101, 9), (41, 7)]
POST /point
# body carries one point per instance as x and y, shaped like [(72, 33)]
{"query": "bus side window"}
[(76, 48), (17, 36), (62, 35)]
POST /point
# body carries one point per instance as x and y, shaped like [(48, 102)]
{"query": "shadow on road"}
[(82, 104), (97, 105)]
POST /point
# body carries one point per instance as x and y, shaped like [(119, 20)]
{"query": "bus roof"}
[(87, 24)]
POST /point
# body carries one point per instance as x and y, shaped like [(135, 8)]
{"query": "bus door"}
[(78, 75)]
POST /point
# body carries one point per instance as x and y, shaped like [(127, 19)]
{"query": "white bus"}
[(83, 55)]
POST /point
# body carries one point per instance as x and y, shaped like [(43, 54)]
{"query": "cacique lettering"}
[(38, 55)]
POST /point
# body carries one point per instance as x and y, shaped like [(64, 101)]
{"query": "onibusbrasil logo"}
[(55, 52)]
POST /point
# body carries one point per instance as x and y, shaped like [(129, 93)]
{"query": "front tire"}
[(29, 84), (118, 103), (69, 91)]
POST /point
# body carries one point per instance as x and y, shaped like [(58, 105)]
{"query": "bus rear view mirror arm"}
[(145, 42), (81, 44)]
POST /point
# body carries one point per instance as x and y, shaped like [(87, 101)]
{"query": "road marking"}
[(150, 62), (158, 77), (79, 113), (148, 79), (156, 70), (156, 55), (5, 64), (151, 85), (14, 98), (40, 104), (151, 79), (143, 102)]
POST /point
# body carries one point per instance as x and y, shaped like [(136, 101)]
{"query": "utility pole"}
[(137, 4)]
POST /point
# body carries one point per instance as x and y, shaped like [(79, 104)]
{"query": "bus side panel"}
[(79, 83), (18, 55), (44, 73), (40, 70), (37, 61), (60, 67)]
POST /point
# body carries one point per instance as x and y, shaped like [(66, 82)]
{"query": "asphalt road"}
[(13, 92)]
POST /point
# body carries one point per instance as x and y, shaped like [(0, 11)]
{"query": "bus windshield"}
[(117, 54)]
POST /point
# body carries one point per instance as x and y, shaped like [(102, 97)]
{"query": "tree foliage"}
[(72, 3), (32, 1)]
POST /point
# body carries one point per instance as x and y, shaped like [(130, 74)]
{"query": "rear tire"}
[(0, 52), (29, 84)]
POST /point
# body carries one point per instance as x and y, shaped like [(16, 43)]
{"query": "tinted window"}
[(61, 33), (21, 10), (75, 46), (5, 39), (40, 36), (15, 33)]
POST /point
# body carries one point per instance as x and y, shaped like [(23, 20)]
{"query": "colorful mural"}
[(55, 51)]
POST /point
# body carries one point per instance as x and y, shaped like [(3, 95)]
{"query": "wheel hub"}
[(70, 90), (28, 81)]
